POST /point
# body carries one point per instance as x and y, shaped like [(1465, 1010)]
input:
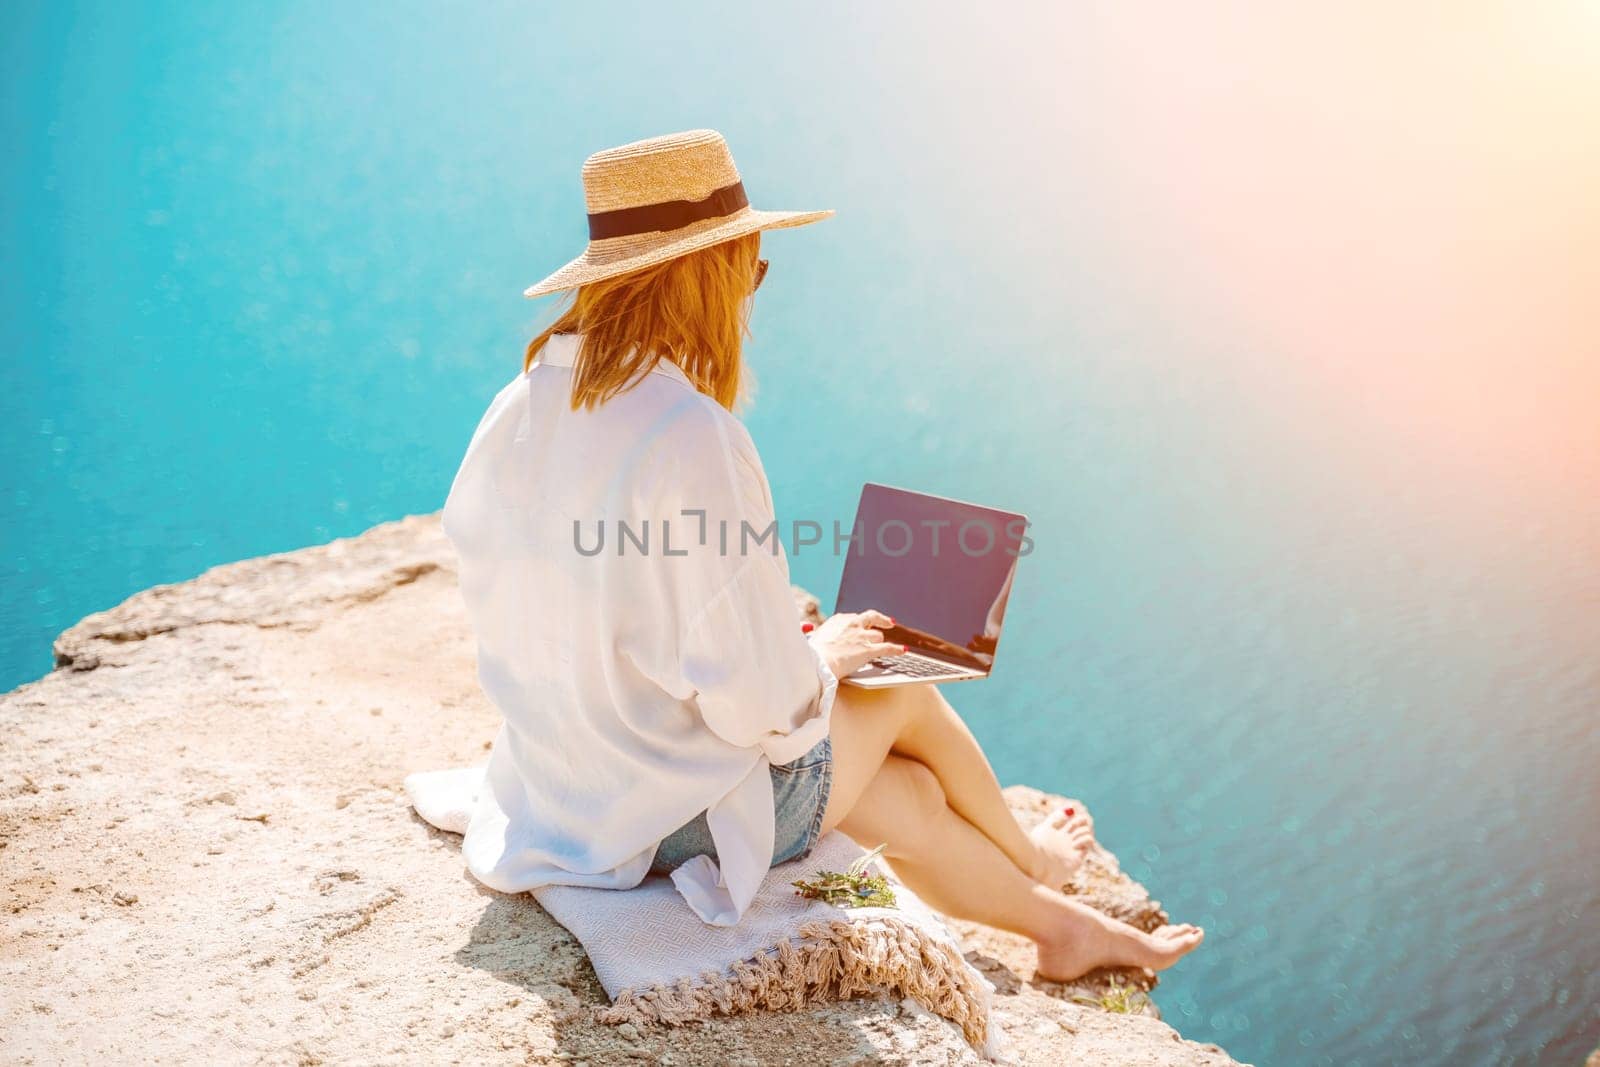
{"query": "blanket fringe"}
[(834, 960)]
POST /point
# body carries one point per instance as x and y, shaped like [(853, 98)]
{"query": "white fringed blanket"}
[(659, 963)]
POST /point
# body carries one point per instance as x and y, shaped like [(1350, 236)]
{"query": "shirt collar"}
[(561, 350)]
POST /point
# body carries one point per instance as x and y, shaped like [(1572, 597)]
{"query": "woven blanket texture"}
[(658, 962)]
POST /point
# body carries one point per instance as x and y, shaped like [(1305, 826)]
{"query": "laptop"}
[(942, 569)]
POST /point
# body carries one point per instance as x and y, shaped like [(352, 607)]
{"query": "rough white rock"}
[(207, 854)]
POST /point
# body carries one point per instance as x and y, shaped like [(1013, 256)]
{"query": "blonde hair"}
[(692, 309)]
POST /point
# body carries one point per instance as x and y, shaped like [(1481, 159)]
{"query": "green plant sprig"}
[(1119, 999), (853, 888)]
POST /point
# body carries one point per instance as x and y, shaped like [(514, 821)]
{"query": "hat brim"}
[(599, 261)]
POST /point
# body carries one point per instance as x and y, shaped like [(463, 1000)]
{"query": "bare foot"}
[(1062, 839), (1089, 939)]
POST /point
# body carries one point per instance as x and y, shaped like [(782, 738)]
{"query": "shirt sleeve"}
[(757, 680)]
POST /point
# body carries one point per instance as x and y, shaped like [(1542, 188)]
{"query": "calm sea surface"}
[(1313, 617)]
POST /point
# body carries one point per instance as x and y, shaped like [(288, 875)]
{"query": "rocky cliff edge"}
[(207, 854)]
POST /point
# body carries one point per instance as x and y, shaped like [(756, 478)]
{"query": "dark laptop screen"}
[(941, 568)]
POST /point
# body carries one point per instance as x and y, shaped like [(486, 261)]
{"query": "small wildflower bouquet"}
[(852, 889)]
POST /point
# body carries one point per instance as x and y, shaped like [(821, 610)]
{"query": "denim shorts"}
[(799, 795)]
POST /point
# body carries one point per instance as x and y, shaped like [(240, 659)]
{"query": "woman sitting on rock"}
[(663, 709)]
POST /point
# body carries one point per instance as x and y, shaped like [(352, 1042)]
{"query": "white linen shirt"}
[(642, 683)]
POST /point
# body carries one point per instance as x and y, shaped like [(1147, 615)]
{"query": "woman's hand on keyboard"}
[(849, 641)]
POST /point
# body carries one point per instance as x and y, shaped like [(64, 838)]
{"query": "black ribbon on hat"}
[(667, 215)]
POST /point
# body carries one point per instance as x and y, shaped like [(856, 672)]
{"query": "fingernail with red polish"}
[(1067, 812), (891, 622), (904, 648), (807, 627)]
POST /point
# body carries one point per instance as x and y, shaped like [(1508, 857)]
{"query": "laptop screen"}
[(941, 568)]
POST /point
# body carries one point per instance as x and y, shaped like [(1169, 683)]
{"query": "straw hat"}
[(662, 197)]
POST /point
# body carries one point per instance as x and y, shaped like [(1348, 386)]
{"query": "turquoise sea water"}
[(1313, 617)]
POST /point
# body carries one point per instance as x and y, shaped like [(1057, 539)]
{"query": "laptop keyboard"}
[(913, 665)]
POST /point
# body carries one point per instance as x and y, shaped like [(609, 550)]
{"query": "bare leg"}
[(916, 721), (960, 871)]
